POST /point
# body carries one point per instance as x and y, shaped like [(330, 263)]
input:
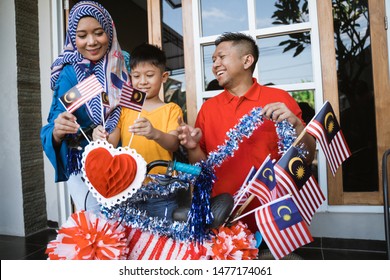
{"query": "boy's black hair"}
[(241, 38), (148, 53)]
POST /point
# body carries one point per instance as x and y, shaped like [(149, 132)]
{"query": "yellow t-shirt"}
[(163, 118)]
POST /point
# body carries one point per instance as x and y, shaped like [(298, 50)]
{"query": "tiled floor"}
[(26, 248), (343, 249), (33, 248)]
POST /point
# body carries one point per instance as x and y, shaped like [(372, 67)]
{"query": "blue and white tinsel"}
[(200, 214), (245, 128), (135, 218)]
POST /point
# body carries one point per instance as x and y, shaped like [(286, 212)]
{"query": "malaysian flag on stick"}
[(263, 184), (294, 177), (242, 194), (81, 93), (132, 98), (282, 227), (325, 128)]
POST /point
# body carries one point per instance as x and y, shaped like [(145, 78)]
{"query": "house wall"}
[(360, 225), (29, 112), (51, 40), (46, 49), (11, 197)]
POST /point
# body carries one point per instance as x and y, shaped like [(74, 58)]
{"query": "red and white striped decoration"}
[(144, 245)]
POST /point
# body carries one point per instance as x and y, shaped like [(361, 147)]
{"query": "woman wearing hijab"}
[(91, 47)]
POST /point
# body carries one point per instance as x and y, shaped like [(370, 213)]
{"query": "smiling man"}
[(234, 62)]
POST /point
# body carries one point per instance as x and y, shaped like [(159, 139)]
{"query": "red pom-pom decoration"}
[(85, 236), (233, 243)]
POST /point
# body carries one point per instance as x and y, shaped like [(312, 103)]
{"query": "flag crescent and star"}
[(270, 175), (297, 168), (105, 97), (71, 96), (329, 126), (286, 216), (137, 96)]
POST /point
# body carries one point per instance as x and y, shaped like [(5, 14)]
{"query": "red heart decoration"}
[(109, 175)]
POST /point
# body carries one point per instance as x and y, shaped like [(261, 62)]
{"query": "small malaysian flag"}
[(132, 98), (242, 194), (294, 177), (263, 184), (282, 227), (325, 128), (81, 93)]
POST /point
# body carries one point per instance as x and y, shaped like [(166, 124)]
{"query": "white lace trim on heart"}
[(134, 186)]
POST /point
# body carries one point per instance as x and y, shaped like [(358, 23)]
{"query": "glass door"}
[(357, 81)]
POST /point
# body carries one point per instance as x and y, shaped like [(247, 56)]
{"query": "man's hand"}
[(278, 112), (188, 136)]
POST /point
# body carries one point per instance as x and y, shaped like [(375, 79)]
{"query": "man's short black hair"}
[(150, 54), (241, 38)]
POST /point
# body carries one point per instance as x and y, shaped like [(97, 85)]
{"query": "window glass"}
[(274, 13), (285, 59), (209, 81), (219, 16), (305, 100), (356, 94), (172, 44)]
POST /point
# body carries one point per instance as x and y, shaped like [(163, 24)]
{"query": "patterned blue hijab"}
[(110, 69)]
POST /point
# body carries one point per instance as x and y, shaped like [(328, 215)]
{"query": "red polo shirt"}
[(223, 112)]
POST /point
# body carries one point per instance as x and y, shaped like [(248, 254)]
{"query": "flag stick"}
[(261, 206), (102, 107), (132, 135), (82, 131), (239, 211), (252, 196), (242, 208), (239, 199), (299, 138), (236, 204)]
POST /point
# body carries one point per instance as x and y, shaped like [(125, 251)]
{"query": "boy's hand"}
[(143, 127), (99, 133)]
